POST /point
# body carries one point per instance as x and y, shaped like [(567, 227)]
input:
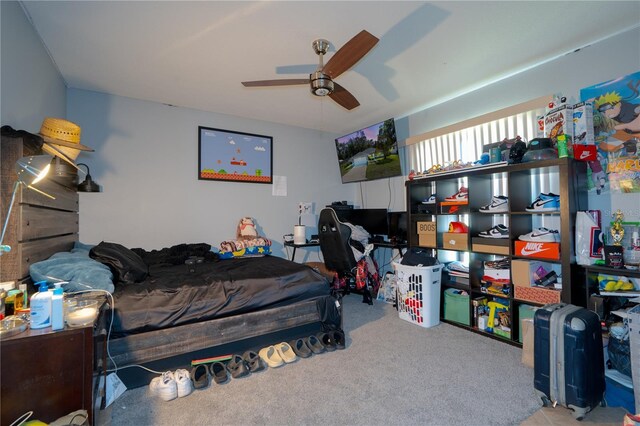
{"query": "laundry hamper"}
[(419, 293)]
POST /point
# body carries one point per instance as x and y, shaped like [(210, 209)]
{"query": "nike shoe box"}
[(537, 250), (455, 241), (490, 245), (451, 207), (539, 295), (426, 234)]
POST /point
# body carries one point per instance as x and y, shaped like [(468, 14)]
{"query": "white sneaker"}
[(542, 235), (183, 381), (164, 387)]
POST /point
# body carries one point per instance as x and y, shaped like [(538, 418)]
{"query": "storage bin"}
[(456, 306), (419, 293), (524, 312)]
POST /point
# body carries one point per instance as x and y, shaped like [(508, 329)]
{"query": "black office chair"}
[(335, 244)]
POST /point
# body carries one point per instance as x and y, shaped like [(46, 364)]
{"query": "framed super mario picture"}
[(234, 156)]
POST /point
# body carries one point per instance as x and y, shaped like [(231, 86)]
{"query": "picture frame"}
[(232, 156)]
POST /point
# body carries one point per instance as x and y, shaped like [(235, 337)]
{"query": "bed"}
[(177, 310)]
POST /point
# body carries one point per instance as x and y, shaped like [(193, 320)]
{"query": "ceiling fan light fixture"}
[(321, 84)]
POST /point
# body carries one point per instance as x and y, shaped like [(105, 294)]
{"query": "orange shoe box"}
[(537, 250)]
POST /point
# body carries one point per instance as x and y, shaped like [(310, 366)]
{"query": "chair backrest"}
[(334, 243)]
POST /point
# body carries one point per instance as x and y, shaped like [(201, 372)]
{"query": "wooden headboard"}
[(38, 226)]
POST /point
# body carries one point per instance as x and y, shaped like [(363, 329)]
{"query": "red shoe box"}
[(537, 250)]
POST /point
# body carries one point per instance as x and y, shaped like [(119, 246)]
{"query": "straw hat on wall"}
[(62, 139)]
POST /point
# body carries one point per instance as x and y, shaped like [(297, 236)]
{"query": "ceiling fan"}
[(321, 81)]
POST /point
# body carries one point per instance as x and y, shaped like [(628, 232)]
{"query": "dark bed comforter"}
[(172, 295)]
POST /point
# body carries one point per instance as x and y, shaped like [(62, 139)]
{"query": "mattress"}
[(174, 295)]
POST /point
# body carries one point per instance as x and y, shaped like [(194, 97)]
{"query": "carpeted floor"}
[(392, 372)]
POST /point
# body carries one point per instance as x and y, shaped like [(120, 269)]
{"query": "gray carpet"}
[(392, 372)]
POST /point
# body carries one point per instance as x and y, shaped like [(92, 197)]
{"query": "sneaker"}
[(164, 387), (542, 235), (499, 204), (498, 231), (430, 200), (183, 382), (461, 195), (545, 203), (504, 263)]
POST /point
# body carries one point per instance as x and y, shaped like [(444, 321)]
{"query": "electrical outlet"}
[(305, 208)]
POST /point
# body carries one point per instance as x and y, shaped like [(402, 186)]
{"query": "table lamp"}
[(88, 185), (30, 170)]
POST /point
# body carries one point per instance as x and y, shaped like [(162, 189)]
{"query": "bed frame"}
[(40, 227)]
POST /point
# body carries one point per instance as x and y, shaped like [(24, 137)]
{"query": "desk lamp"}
[(88, 185), (30, 170)]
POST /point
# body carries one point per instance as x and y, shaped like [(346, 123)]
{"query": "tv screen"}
[(374, 221), (370, 153), (398, 226)]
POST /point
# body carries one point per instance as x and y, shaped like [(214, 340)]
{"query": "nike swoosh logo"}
[(539, 235), (584, 154), (526, 252), (541, 203)]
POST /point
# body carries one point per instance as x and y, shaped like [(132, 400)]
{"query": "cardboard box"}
[(559, 121), (455, 241), (583, 123), (526, 325), (537, 250), (524, 273), (450, 207), (539, 295), (497, 274), (426, 234), (490, 245)]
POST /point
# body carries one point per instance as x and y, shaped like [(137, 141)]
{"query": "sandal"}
[(219, 372), (254, 361), (238, 367), (337, 337), (286, 353), (300, 348), (271, 356), (315, 345), (327, 341)]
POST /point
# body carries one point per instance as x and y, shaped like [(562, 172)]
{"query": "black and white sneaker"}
[(498, 231), (541, 235), (499, 204)]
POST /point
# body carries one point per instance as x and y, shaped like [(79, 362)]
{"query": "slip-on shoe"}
[(300, 348), (338, 338), (238, 367), (314, 344), (286, 353), (327, 341), (254, 361), (200, 376), (271, 356), (219, 372)]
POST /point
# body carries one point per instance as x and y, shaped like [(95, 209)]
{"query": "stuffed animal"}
[(246, 229)]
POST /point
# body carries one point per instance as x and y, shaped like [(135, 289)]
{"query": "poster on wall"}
[(234, 156), (616, 122)]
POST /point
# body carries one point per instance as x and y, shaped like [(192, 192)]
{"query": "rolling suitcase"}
[(568, 358)]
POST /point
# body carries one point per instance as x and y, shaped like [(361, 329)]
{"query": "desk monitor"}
[(374, 221), (398, 226)]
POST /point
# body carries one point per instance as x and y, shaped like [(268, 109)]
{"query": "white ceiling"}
[(195, 54)]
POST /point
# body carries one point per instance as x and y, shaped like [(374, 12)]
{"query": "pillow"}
[(245, 248), (127, 267), (77, 268)]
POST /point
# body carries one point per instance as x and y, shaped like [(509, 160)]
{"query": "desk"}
[(390, 245), (295, 246)]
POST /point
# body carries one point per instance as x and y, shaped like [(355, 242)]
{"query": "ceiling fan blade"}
[(281, 82), (350, 53), (343, 97)]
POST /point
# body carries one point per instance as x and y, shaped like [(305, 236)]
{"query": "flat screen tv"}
[(370, 153)]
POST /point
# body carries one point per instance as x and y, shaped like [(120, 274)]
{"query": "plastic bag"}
[(387, 292), (588, 239)]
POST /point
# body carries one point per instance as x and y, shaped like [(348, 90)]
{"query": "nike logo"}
[(534, 235), (532, 248), (540, 203), (584, 154)]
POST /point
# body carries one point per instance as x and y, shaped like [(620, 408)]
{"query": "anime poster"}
[(616, 122)]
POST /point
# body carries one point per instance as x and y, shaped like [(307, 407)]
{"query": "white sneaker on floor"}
[(183, 382), (164, 387)]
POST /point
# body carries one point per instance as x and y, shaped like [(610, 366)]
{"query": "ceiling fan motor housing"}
[(321, 84)]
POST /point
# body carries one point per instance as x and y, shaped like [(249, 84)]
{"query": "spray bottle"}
[(41, 306)]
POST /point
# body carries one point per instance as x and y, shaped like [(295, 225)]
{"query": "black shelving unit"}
[(522, 183)]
